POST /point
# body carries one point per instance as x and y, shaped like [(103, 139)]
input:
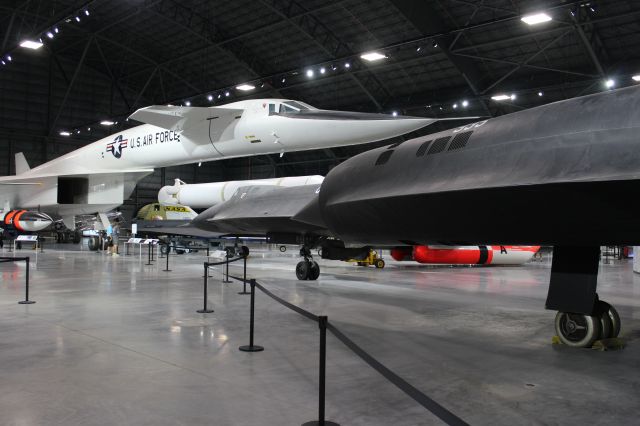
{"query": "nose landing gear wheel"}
[(302, 270), (578, 330), (314, 271)]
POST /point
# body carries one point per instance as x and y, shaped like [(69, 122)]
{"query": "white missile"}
[(205, 195)]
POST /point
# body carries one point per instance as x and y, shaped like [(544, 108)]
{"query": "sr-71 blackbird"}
[(566, 174)]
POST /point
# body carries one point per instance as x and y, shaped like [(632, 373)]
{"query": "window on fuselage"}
[(286, 109), (272, 109)]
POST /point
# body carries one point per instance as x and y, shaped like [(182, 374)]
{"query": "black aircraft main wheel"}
[(244, 251), (611, 312), (94, 243), (379, 263), (578, 330), (302, 270), (606, 326), (314, 271), (164, 249), (283, 249), (77, 237)]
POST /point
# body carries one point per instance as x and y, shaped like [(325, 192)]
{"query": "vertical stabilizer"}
[(21, 164)]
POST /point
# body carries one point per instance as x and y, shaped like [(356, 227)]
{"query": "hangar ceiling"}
[(443, 58)]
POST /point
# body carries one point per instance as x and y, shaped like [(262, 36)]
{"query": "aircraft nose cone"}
[(35, 221)]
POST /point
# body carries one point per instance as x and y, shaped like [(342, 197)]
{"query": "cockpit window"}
[(287, 109), (272, 109), (297, 105)]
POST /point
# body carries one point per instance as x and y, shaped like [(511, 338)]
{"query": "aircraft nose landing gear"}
[(308, 269)]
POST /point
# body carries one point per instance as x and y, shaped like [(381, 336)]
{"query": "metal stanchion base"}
[(317, 423), (166, 270), (249, 348), (204, 311), (245, 292), (227, 282), (26, 302)]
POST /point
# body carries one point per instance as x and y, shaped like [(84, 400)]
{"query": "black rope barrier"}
[(5, 259), (429, 404), (166, 269), (438, 410), (251, 347)]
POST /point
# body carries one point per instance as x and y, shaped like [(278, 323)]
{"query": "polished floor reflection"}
[(114, 341)]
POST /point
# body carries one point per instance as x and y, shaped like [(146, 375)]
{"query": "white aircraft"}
[(100, 176)]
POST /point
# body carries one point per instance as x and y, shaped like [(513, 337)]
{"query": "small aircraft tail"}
[(21, 164)]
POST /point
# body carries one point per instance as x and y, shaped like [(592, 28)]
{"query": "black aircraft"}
[(563, 174)]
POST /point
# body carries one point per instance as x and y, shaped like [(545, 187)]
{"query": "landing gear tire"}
[(164, 249), (314, 271), (606, 326), (302, 270), (244, 251), (578, 330), (94, 243), (379, 263), (77, 237), (283, 249), (611, 312)]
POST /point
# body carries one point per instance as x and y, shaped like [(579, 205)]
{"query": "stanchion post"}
[(26, 300), (204, 310), (322, 323), (168, 251), (251, 347), (149, 254), (225, 275), (244, 278)]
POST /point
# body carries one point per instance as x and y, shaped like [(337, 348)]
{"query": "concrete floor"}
[(113, 341)]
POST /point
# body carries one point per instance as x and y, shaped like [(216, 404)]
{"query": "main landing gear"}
[(582, 318), (580, 330), (308, 269)]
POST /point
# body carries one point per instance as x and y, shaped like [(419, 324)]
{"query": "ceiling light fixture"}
[(107, 123), (309, 73), (322, 70), (536, 18), (29, 44), (78, 18), (347, 65), (187, 103), (49, 34), (636, 77), (373, 56), (540, 94), (394, 113), (610, 83), (63, 133), (226, 94), (245, 87), (455, 106), (500, 97), (209, 98)]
